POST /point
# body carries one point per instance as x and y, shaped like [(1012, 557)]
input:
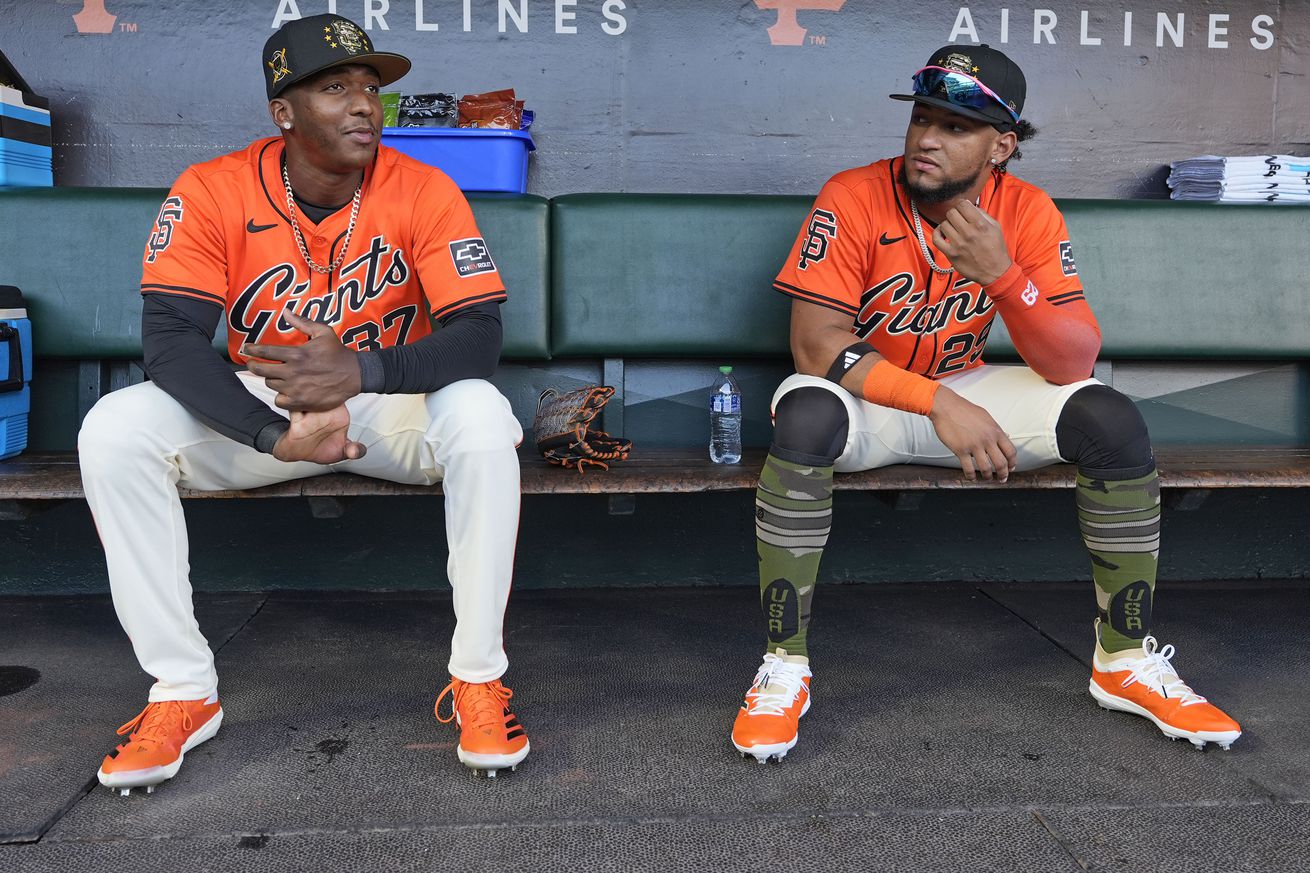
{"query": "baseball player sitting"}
[(896, 279), (325, 253)]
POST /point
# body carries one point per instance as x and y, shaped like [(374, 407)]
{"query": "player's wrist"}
[(270, 437), (1006, 284), (372, 372), (889, 385)]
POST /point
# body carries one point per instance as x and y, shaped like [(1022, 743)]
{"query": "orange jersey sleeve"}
[(185, 253), (1044, 251), (829, 262), (453, 262), (1041, 298)]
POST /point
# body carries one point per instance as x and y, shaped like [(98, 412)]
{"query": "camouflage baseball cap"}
[(307, 46)]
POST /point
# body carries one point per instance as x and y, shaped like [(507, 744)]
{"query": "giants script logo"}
[(787, 31), (93, 18)]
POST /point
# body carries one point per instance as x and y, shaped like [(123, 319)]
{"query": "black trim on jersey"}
[(998, 178), (918, 337), (1068, 299), (332, 251), (896, 197), (1065, 295), (451, 308), (263, 184), (186, 292), (812, 297)]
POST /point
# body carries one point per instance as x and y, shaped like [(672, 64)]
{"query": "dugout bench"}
[(1204, 306)]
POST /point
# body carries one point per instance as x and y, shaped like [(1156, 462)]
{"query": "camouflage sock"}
[(1120, 521), (793, 514)]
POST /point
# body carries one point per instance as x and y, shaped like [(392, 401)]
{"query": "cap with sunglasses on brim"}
[(308, 46), (975, 81)]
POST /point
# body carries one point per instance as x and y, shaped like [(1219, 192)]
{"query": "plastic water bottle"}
[(725, 420)]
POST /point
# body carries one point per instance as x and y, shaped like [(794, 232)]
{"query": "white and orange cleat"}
[(768, 722), (1145, 683), (158, 739), (490, 737)]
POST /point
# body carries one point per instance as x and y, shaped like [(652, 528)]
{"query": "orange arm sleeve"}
[(1059, 340)]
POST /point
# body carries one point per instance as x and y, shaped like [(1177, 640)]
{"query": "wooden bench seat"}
[(54, 476)]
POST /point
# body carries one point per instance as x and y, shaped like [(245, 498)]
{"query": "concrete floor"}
[(951, 730)]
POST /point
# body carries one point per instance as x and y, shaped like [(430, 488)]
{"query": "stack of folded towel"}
[(1254, 179)]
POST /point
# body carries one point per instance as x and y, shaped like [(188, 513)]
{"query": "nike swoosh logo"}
[(258, 228), (883, 241)]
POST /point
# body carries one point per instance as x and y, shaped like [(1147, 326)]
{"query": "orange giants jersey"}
[(223, 236), (858, 254)]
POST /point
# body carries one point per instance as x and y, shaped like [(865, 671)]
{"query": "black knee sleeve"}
[(809, 427), (1102, 432)]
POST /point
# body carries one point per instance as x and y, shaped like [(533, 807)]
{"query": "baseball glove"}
[(563, 433)]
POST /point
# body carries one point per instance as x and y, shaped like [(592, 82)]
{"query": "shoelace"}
[(487, 702), (153, 724), (1154, 670), (776, 685)]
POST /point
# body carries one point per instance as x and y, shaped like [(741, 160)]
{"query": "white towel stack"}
[(1255, 179)]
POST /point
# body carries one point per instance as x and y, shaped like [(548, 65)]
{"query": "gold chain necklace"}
[(300, 237)]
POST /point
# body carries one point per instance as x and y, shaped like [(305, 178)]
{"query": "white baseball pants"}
[(1024, 404), (138, 445)]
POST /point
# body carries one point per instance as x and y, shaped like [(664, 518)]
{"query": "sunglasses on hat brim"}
[(960, 89)]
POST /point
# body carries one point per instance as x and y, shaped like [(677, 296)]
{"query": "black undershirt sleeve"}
[(465, 346), (176, 333)]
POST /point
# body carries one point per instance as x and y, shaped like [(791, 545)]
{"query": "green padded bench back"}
[(691, 276), (1181, 280), (1191, 280), (76, 253), (670, 274)]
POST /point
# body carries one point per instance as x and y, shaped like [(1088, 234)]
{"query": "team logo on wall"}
[(94, 18), (348, 36), (279, 65), (787, 30), (471, 257)]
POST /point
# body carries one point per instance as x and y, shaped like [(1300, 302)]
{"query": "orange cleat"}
[(1146, 684), (768, 722), (490, 737), (158, 738)]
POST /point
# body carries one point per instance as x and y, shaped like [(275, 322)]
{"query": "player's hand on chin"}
[(319, 437), (973, 435), (974, 242), (316, 376)]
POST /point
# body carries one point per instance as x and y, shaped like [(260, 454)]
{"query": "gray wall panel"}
[(692, 95)]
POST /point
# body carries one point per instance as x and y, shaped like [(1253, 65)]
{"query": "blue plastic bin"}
[(15, 371), (24, 140), (477, 159)]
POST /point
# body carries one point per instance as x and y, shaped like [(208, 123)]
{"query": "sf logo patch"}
[(1066, 259), (471, 257), (169, 214), (822, 227)]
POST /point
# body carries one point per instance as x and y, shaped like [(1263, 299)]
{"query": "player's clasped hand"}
[(974, 242), (317, 376), (320, 437), (973, 435)]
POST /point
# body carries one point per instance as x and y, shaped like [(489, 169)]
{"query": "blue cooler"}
[(15, 371), (25, 141), (477, 159)]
